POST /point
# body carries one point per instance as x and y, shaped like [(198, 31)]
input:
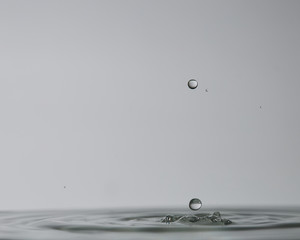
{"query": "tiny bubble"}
[(195, 204)]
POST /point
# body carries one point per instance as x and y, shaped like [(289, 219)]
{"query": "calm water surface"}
[(152, 224)]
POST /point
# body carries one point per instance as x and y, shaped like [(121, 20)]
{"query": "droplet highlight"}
[(192, 84), (195, 204)]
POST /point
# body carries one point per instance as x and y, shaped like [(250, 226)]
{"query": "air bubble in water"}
[(192, 84), (195, 204)]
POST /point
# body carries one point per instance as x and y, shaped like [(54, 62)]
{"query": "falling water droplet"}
[(195, 204), (192, 84)]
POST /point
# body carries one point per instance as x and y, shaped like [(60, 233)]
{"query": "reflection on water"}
[(151, 224)]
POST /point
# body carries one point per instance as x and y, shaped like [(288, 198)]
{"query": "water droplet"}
[(192, 84), (168, 219), (195, 204)]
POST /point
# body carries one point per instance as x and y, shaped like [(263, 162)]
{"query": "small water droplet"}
[(195, 204), (192, 84), (168, 219)]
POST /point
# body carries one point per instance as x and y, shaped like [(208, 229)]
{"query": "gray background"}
[(94, 97)]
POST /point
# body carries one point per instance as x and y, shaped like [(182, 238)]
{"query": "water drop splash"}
[(195, 204), (192, 84), (198, 219)]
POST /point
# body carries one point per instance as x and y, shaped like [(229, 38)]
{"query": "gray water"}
[(247, 223)]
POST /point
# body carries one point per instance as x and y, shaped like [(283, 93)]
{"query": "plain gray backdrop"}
[(96, 112)]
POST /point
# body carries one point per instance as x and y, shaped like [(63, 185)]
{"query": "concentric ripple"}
[(149, 224)]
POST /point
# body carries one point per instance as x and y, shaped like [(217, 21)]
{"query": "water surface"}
[(151, 224)]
